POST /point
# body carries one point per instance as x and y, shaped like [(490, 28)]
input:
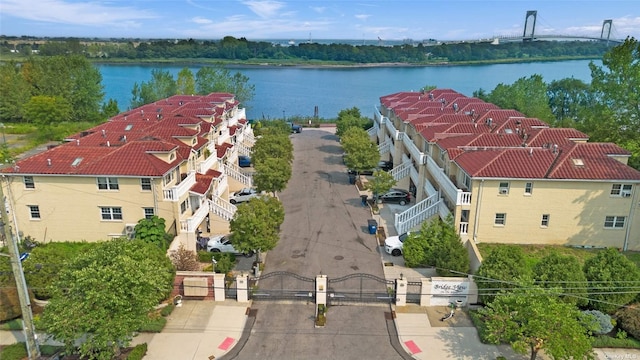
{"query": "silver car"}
[(243, 195), (222, 243)]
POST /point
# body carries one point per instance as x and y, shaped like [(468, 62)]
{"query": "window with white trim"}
[(34, 211), (528, 188), (500, 219), (108, 183), (614, 222), (145, 184), (544, 222), (467, 181), (503, 189), (28, 182), (183, 206), (168, 179), (623, 190), (111, 213), (149, 212)]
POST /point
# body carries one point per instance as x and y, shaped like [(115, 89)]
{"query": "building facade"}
[(506, 178), (175, 158)]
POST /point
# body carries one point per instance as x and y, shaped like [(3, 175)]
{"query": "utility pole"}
[(23, 294)]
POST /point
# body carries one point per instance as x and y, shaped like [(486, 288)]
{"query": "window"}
[(111, 213), (528, 188), (467, 181), (504, 188), (183, 206), (168, 179), (614, 222), (148, 213), (108, 183), (545, 220), (623, 190), (28, 182), (501, 219), (34, 210), (145, 184)]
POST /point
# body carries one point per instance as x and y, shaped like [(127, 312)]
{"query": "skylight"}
[(76, 162), (578, 162), (129, 127)]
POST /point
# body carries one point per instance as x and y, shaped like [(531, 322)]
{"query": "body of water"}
[(290, 91)]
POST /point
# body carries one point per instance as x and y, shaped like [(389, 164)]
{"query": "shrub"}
[(605, 325), (184, 260), (167, 310), (154, 325), (17, 351), (138, 352), (9, 303), (205, 256), (614, 342), (629, 320), (225, 262)]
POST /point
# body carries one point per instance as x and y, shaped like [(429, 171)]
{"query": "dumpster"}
[(352, 179), (373, 226)]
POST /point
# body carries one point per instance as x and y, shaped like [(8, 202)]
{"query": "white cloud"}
[(201, 20), (362, 16), (318, 9), (86, 13), (265, 9), (257, 29)]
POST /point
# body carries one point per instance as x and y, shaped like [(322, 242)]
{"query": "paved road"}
[(325, 231)]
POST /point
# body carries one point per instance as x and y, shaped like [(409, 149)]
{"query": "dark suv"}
[(399, 196), (382, 165)]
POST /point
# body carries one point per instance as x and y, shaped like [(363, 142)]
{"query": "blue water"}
[(286, 91)]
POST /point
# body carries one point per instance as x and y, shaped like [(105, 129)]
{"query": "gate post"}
[(401, 292), (321, 289), (242, 286), (218, 287), (425, 292)]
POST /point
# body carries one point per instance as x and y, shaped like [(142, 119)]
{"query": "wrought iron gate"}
[(414, 292), (358, 288), (282, 285)]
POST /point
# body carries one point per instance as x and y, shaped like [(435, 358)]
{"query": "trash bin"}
[(373, 226), (363, 198), (352, 179)]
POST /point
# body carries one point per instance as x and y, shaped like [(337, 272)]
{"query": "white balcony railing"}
[(385, 146), (176, 192), (443, 210), (222, 208), (401, 171), (413, 173), (464, 198), (234, 172), (207, 164), (442, 180), (428, 188), (223, 137), (373, 131), (413, 150), (391, 129), (243, 149), (192, 223), (222, 185), (464, 228), (416, 214)]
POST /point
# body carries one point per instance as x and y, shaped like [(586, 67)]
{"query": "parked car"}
[(393, 244), (399, 196), (222, 243), (295, 128), (385, 165), (243, 195), (244, 161), (382, 165)]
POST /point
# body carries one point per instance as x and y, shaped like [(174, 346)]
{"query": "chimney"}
[(78, 142), (104, 133), (530, 151), (555, 148), (108, 143), (48, 162)]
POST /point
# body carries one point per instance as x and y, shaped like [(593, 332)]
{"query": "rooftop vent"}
[(48, 162), (104, 133)]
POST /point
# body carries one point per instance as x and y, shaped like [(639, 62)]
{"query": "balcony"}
[(413, 150), (240, 114), (416, 214), (222, 185), (176, 192), (192, 223), (208, 163), (392, 130), (401, 171), (385, 146), (222, 208), (463, 228), (377, 117), (223, 137)]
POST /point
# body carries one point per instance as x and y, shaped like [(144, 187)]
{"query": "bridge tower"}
[(531, 15), (606, 29)]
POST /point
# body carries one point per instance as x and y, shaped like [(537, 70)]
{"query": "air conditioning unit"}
[(626, 194), (130, 230), (504, 191)]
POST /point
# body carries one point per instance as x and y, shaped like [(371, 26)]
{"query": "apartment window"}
[(528, 188), (183, 206), (501, 219), (168, 179), (34, 210), (149, 213), (504, 188), (614, 222), (108, 183), (28, 182), (545, 220), (623, 190), (111, 213), (467, 181), (145, 184)]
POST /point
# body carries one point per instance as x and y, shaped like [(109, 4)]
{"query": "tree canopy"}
[(350, 118), (106, 294), (612, 280), (562, 272), (502, 269), (255, 225), (361, 153)]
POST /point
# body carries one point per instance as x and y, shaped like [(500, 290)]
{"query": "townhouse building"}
[(506, 178), (175, 158)]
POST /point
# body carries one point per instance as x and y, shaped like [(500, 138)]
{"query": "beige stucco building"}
[(506, 178), (175, 158)]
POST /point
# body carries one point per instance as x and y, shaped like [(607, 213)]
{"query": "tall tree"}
[(161, 85), (105, 295), (531, 320), (272, 175), (527, 95), (47, 110), (273, 146), (562, 272), (349, 118), (502, 269), (186, 83), (255, 225), (361, 153), (380, 183), (615, 114), (110, 108), (14, 92), (613, 280), (218, 79), (567, 97)]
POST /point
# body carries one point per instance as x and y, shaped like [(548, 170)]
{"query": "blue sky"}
[(296, 19)]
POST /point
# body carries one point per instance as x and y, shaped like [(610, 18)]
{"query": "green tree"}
[(110, 109), (567, 98), (527, 95), (161, 85), (361, 153), (273, 146), (380, 183), (611, 278), (152, 231), (614, 116), (47, 110), (255, 225), (349, 118), (186, 83), (105, 295), (534, 319), (501, 270), (218, 79), (272, 175), (563, 272), (14, 92)]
